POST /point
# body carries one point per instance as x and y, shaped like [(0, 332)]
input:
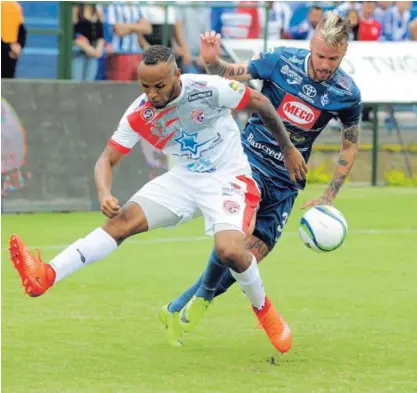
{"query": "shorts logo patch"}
[(231, 207)]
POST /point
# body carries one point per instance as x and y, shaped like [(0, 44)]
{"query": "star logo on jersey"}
[(188, 142)]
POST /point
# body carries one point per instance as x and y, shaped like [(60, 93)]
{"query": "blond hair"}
[(334, 28)]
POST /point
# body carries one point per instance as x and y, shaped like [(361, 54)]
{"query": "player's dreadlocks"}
[(157, 54), (334, 28)]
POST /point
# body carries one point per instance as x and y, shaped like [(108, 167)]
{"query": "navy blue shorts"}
[(277, 200)]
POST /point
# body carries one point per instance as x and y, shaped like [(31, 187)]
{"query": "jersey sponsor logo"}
[(231, 207), (197, 115), (200, 96), (265, 148), (193, 149), (298, 112), (293, 77), (199, 83), (203, 165), (296, 60), (309, 91)]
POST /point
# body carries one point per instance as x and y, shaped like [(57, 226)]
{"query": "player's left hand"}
[(295, 163), (323, 200)]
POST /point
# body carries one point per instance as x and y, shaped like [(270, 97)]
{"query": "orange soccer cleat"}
[(36, 276), (275, 327)]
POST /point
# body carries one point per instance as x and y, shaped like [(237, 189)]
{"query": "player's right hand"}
[(295, 163), (210, 46), (109, 206)]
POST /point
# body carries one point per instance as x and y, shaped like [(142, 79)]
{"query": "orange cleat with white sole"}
[(275, 327), (36, 276)]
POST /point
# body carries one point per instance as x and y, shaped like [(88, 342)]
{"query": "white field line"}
[(186, 239)]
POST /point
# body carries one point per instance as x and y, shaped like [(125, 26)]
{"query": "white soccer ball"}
[(323, 228)]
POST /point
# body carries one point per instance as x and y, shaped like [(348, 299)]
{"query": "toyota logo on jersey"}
[(298, 112)]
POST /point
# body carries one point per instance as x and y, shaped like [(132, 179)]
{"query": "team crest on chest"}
[(198, 116)]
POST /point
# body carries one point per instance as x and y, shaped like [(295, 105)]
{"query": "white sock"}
[(95, 246), (251, 283)]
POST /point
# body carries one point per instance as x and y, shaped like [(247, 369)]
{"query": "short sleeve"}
[(231, 94), (262, 64), (124, 138), (352, 115)]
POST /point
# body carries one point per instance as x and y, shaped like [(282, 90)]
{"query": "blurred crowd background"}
[(108, 38)]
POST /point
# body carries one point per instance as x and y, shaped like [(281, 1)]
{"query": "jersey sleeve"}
[(124, 138), (231, 94), (262, 64), (352, 115)]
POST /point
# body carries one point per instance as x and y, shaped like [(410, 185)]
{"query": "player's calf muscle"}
[(257, 247), (130, 221)]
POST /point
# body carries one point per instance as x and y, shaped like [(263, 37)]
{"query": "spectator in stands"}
[(254, 28), (381, 9), (353, 18), (396, 25), (190, 23), (155, 14), (344, 7), (279, 20), (413, 29), (88, 42), (370, 29), (123, 22), (305, 29), (13, 37)]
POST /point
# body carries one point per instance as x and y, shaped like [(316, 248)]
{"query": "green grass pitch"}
[(353, 312)]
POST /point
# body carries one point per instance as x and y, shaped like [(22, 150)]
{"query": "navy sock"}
[(226, 282), (211, 277), (184, 298)]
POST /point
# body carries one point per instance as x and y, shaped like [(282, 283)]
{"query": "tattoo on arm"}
[(351, 133), (224, 69), (336, 184), (217, 68), (342, 162)]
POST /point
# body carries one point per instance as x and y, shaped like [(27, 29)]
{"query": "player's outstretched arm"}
[(102, 174), (348, 153), (293, 159), (210, 51)]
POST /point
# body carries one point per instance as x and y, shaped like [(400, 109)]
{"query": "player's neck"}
[(310, 71)]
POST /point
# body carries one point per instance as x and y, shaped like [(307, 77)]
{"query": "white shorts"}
[(226, 201)]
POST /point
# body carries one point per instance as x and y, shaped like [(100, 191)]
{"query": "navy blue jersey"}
[(305, 107)]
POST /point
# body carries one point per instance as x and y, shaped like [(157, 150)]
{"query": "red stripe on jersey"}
[(252, 199), (147, 123), (245, 99), (118, 147)]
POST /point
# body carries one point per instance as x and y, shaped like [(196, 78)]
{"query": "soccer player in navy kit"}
[(308, 89)]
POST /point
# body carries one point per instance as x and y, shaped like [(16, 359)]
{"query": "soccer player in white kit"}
[(189, 118)]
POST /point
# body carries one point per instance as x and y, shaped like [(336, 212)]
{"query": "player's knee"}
[(230, 254), (124, 225)]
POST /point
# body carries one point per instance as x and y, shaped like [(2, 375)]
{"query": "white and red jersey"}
[(197, 128)]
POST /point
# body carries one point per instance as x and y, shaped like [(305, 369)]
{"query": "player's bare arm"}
[(293, 159), (210, 50), (103, 174), (349, 150)]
